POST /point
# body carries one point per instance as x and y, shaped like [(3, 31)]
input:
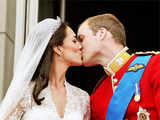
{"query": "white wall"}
[(7, 38)]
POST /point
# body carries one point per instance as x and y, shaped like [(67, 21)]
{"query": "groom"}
[(131, 88)]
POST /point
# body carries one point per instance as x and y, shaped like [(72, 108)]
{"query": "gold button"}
[(137, 98), (114, 88), (115, 80)]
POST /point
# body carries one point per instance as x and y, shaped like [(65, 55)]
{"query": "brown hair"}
[(109, 22), (41, 75)]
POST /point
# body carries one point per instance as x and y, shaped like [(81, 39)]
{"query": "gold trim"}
[(117, 62), (147, 52)]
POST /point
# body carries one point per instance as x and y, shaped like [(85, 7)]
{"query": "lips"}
[(81, 57), (80, 53)]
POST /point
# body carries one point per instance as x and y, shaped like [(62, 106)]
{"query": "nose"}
[(79, 46)]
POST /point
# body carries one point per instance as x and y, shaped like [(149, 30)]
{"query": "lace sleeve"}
[(88, 111), (23, 105)]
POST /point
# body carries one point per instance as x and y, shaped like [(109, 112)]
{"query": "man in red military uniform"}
[(131, 88)]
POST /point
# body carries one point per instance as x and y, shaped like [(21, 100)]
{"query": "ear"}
[(101, 34), (58, 50)]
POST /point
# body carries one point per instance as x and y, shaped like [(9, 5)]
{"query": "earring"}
[(61, 53)]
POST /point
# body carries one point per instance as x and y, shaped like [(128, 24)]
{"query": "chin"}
[(77, 63), (85, 62), (88, 63)]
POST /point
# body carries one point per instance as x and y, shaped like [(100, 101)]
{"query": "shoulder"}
[(152, 70), (148, 53), (78, 91), (80, 98), (153, 65), (155, 59), (28, 96)]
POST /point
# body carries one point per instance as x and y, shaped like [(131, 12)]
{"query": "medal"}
[(142, 114), (137, 96)]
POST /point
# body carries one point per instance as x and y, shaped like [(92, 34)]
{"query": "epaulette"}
[(148, 53)]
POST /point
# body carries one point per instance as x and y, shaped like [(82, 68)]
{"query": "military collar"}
[(117, 62)]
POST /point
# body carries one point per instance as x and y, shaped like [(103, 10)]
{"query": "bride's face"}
[(72, 53)]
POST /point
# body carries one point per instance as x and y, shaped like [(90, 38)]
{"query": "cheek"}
[(71, 53), (71, 49), (72, 57)]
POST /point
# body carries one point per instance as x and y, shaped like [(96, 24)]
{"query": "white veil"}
[(33, 50)]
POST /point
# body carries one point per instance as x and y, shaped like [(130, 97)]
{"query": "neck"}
[(108, 53), (57, 73)]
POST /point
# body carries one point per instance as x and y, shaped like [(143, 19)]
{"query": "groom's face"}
[(89, 44)]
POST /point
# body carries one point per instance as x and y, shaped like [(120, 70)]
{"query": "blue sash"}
[(125, 90)]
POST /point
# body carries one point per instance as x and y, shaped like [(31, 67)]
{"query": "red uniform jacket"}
[(149, 89)]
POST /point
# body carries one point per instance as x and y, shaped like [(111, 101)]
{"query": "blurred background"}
[(17, 17)]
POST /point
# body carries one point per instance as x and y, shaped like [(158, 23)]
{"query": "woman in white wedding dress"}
[(39, 90)]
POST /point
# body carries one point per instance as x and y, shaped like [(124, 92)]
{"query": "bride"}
[(39, 90)]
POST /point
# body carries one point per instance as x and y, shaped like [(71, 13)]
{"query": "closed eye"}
[(74, 41)]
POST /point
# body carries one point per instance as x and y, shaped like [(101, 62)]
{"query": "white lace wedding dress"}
[(77, 107)]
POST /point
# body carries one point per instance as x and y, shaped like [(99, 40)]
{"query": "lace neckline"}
[(49, 98)]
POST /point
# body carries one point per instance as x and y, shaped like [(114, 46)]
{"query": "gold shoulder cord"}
[(147, 53)]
